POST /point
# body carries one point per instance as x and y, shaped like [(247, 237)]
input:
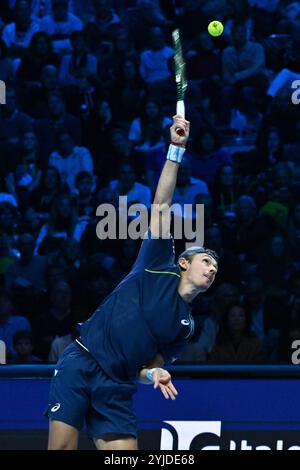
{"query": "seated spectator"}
[(28, 274), (69, 160), (187, 186), (292, 148), (24, 171), (58, 120), (225, 189), (128, 91), (244, 72), (38, 54), (147, 14), (63, 223), (24, 346), (154, 63), (269, 148), (8, 235), (207, 156), (58, 320), (49, 187), (13, 124), (59, 25), (146, 131), (274, 268), (86, 200), (235, 342), (6, 64), (78, 65), (106, 19), (254, 231), (10, 323), (126, 185), (17, 35)]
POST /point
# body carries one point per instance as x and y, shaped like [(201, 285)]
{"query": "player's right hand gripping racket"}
[(181, 81)]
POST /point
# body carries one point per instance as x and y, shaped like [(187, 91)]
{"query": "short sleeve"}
[(155, 253)]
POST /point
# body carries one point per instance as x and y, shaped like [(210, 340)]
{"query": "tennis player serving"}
[(144, 323)]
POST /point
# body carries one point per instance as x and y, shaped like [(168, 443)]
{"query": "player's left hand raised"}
[(162, 380)]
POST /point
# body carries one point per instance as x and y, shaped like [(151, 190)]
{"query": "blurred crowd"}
[(89, 94)]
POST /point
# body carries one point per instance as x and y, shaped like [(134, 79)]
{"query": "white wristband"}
[(175, 153), (149, 374)]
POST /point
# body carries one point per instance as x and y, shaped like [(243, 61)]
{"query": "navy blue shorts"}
[(81, 393)]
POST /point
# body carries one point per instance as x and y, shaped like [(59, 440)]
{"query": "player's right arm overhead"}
[(160, 220)]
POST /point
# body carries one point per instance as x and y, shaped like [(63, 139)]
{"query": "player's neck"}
[(187, 290)]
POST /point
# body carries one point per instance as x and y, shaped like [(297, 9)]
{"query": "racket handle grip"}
[(180, 110)]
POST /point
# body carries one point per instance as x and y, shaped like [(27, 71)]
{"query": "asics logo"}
[(185, 322), (55, 407)]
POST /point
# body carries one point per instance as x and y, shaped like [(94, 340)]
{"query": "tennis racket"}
[(180, 77)]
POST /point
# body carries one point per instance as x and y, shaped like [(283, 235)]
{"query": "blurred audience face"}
[(213, 239), (207, 142), (240, 36), (254, 294), (126, 177), (156, 39), (49, 77), (26, 247), (273, 141), (60, 11), (65, 208), (56, 106), (6, 308), (24, 347), (41, 47), (65, 145), (277, 246), (236, 319), (29, 142), (151, 109), (85, 186), (61, 296), (129, 70), (11, 102), (227, 176), (22, 14), (51, 180)]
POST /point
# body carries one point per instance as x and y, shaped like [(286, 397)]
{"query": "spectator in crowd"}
[(57, 321), (63, 223), (69, 160), (244, 71), (126, 185), (207, 156), (38, 54), (6, 64), (10, 323), (24, 346), (18, 34), (50, 186), (59, 25), (13, 124), (146, 131), (235, 342), (28, 273), (57, 121), (154, 62), (78, 65)]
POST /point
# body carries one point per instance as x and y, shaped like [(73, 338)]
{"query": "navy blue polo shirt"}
[(142, 317)]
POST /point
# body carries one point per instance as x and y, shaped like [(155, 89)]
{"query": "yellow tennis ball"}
[(215, 28)]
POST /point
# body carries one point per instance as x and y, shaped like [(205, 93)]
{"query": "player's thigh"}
[(62, 436), (124, 443)]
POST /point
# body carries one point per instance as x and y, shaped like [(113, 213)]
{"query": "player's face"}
[(202, 271)]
